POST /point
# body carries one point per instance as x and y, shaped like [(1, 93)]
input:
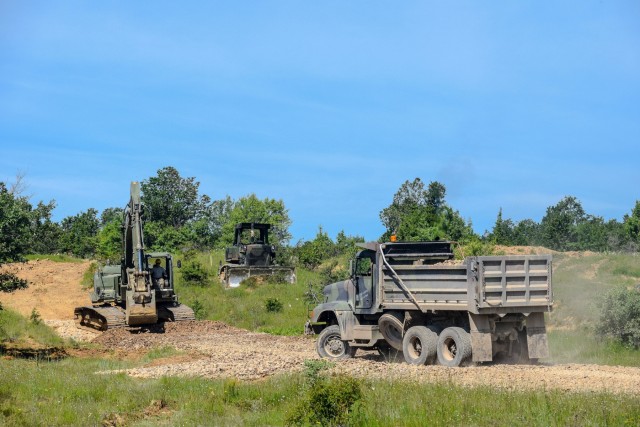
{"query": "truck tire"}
[(419, 345), (330, 346), (454, 347), (391, 326)]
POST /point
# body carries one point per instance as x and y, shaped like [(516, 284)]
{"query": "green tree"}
[(632, 224), (15, 225), (172, 200), (267, 211), (313, 252), (209, 229), (45, 234), (526, 233), (80, 234), (109, 245), (419, 213), (559, 227), (503, 231), (15, 221)]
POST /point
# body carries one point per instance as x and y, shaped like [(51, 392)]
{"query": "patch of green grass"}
[(87, 277), (245, 306), (54, 258), (160, 353), (16, 330), (71, 393), (583, 346)]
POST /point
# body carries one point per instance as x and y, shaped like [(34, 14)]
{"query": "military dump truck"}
[(140, 290), (251, 255), (414, 298)]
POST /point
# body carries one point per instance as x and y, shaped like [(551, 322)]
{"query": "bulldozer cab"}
[(248, 233)]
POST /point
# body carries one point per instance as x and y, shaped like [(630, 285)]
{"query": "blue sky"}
[(329, 106)]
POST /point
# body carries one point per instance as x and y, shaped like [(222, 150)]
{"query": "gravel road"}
[(216, 350)]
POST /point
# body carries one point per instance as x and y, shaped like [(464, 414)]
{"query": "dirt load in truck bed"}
[(216, 350)]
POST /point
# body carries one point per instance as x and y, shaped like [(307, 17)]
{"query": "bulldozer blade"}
[(233, 275)]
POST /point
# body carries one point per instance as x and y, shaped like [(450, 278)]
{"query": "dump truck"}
[(139, 291), (414, 298), (252, 255)]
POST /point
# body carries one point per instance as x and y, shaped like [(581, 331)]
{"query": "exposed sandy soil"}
[(54, 288), (216, 350)]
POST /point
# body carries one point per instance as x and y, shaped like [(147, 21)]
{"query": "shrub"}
[(35, 317), (273, 305), (313, 367), (198, 310), (10, 283), (329, 402), (193, 273), (251, 282), (620, 318), (277, 277)]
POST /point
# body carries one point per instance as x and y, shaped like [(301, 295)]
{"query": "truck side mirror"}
[(351, 268), (179, 263)]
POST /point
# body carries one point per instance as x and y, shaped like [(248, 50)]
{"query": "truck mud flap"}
[(537, 336)]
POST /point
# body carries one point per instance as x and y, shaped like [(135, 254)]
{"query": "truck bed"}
[(481, 285)]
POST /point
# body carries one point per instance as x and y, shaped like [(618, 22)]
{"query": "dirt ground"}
[(216, 350)]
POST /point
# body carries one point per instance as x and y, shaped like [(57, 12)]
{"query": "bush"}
[(251, 282), (620, 318), (273, 305), (35, 317), (277, 277), (10, 283), (198, 310), (193, 273), (329, 402)]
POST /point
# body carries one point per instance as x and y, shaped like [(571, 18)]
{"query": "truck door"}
[(363, 272)]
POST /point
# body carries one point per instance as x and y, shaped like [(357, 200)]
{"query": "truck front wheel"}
[(419, 345), (454, 347), (330, 346)]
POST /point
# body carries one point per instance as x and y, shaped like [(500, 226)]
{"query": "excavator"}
[(140, 290)]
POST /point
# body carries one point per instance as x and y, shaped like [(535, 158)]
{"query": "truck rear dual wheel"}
[(330, 346), (391, 327), (454, 347), (419, 345)]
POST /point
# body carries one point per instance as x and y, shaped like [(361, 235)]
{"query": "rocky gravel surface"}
[(221, 351)]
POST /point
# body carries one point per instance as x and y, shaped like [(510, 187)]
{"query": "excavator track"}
[(100, 318), (175, 313), (103, 318)]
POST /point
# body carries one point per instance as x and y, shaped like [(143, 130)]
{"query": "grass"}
[(246, 306), (18, 331), (54, 258), (70, 392)]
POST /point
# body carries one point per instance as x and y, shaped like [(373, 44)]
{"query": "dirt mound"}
[(54, 288)]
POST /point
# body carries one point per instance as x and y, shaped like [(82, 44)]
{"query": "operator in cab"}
[(158, 273)]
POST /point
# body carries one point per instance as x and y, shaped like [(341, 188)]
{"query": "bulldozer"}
[(251, 255), (140, 290)]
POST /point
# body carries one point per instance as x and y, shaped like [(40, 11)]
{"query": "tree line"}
[(177, 218)]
